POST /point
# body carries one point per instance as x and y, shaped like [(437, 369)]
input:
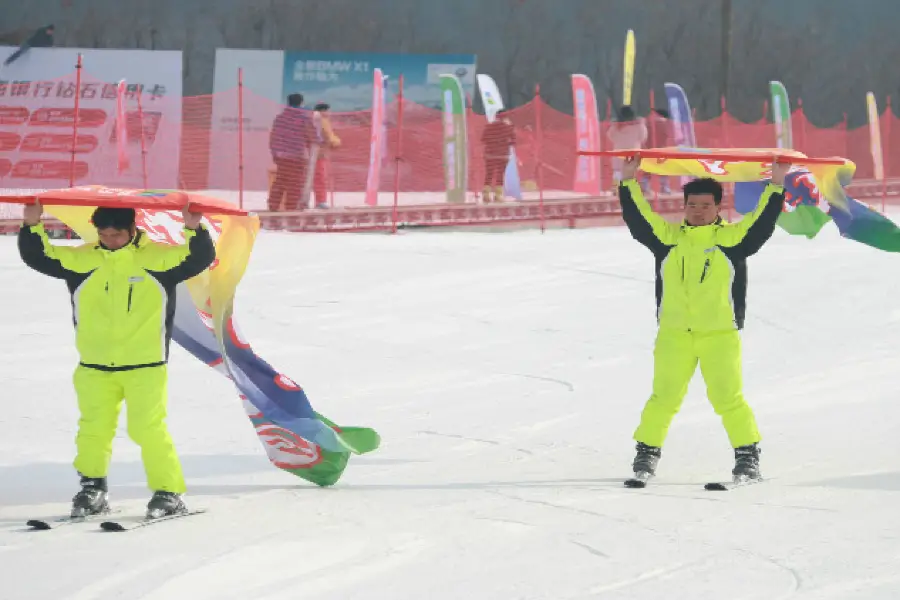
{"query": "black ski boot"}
[(644, 465), (163, 504), (93, 499), (746, 463)]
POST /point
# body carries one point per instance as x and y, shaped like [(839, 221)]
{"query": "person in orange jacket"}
[(327, 140)]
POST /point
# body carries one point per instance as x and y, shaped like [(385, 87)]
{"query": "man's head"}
[(626, 114), (115, 226), (322, 107), (702, 198), (295, 100)]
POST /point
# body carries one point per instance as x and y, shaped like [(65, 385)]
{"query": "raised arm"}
[(749, 234), (38, 253), (180, 263), (646, 226)]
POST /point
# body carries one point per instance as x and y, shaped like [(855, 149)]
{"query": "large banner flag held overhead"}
[(781, 115), (587, 135), (814, 188), (456, 143), (295, 437), (493, 103)]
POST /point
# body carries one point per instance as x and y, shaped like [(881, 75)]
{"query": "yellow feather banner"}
[(628, 71)]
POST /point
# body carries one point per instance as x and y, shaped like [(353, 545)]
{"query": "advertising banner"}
[(341, 79), (587, 135), (456, 142), (37, 110)]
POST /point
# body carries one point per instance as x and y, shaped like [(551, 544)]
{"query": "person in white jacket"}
[(627, 133)]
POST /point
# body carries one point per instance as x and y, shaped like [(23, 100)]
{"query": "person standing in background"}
[(497, 138), (627, 133), (289, 141), (326, 140)]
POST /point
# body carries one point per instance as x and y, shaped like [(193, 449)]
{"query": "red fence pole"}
[(846, 137), (240, 137), (604, 128), (654, 143), (143, 144), (398, 156), (725, 133), (885, 145), (802, 143), (75, 120), (540, 154)]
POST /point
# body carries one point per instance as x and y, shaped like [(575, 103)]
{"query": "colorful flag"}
[(295, 437), (628, 69), (587, 135), (378, 139), (490, 96), (814, 194), (680, 116), (805, 210), (781, 115), (456, 150), (875, 136)]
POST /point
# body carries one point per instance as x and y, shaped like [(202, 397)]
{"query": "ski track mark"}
[(457, 436)]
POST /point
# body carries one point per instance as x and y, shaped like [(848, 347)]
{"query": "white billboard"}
[(37, 109)]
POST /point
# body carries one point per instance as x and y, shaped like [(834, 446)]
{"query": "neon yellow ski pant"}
[(675, 359), (100, 395)]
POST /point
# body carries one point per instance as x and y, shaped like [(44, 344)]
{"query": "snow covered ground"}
[(506, 373)]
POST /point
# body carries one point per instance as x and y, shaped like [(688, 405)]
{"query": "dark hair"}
[(626, 113), (107, 217), (704, 185), (295, 100), (322, 106)]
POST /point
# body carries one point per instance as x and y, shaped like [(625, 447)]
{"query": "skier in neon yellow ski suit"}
[(701, 286), (123, 291)]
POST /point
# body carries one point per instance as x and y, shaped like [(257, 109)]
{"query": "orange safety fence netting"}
[(197, 143)]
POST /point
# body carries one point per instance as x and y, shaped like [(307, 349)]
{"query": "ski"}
[(639, 480), (45, 524), (724, 486), (144, 522)]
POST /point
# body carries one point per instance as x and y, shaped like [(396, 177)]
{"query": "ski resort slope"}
[(506, 373)]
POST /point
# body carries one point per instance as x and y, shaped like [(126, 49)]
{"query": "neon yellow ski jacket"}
[(701, 272), (123, 301)]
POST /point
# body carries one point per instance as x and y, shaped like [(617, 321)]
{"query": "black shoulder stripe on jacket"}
[(31, 249), (638, 226), (201, 254), (763, 228)]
